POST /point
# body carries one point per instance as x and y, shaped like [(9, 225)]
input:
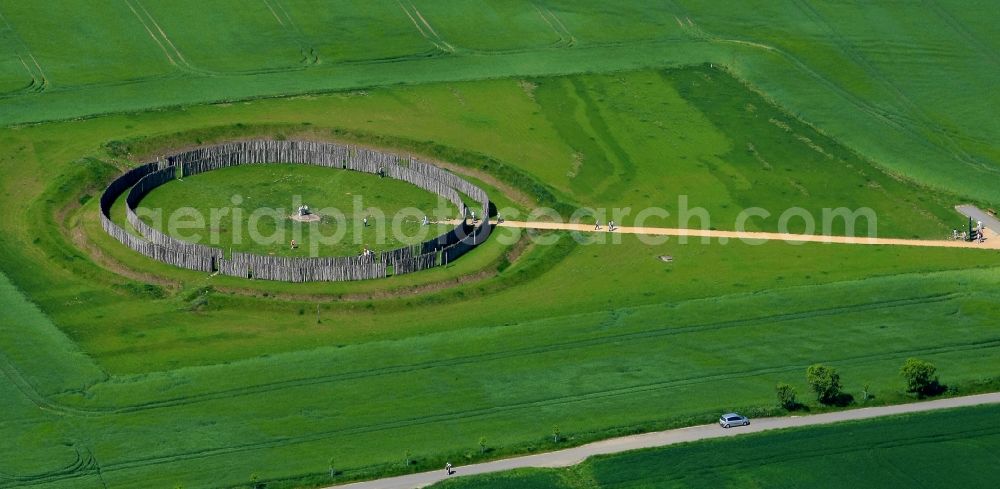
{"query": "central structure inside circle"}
[(303, 214), (439, 250)]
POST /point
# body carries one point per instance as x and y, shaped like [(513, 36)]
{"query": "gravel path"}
[(573, 456), (724, 236)]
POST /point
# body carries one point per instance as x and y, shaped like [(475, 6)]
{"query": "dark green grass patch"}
[(939, 449)]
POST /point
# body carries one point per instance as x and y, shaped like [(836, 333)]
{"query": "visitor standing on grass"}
[(365, 220)]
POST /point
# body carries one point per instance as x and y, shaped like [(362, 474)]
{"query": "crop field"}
[(924, 449), (880, 94), (121, 371)]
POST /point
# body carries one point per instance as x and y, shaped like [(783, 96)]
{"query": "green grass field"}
[(883, 97), (939, 449), (125, 372), (342, 199)]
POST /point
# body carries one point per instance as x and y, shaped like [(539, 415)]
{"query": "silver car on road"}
[(733, 419)]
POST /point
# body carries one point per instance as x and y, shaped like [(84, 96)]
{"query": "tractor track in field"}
[(424, 27), (274, 13), (309, 54), (153, 28), (183, 72), (565, 37), (865, 107), (79, 467), (39, 82), (945, 141), (176, 58), (159, 43), (575, 455), (877, 113), (528, 351), (878, 453), (458, 415), (591, 396), (61, 408), (964, 32), (312, 63)]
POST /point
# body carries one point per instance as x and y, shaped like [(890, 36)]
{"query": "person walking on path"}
[(597, 226), (448, 469)]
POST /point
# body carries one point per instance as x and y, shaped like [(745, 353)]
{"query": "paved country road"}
[(573, 456), (992, 243), (991, 223)]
